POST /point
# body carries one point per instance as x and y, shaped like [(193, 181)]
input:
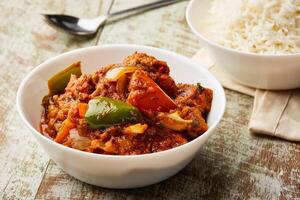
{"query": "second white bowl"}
[(275, 72)]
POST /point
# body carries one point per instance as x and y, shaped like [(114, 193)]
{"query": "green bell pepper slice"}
[(58, 82), (104, 112)]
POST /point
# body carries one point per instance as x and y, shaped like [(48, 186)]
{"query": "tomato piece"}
[(64, 130), (82, 108), (146, 95)]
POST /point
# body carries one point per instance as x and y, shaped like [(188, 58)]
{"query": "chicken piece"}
[(198, 125), (157, 70), (194, 95), (81, 87), (148, 63)]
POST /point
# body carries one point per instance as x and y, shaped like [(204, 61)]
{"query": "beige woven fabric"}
[(275, 113)]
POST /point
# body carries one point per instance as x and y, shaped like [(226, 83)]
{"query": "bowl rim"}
[(95, 155), (215, 44)]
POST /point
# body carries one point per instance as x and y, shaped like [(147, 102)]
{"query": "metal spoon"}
[(77, 26)]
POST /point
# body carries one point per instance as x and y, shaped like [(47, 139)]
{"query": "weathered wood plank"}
[(165, 27), (25, 42), (233, 164)]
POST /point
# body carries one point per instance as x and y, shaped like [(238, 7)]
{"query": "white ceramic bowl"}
[(109, 170), (275, 72)]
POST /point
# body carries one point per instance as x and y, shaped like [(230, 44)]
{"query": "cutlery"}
[(85, 27)]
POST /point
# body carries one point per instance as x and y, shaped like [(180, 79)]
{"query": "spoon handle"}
[(149, 6)]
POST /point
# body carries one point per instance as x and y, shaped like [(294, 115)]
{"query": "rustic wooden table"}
[(233, 164)]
